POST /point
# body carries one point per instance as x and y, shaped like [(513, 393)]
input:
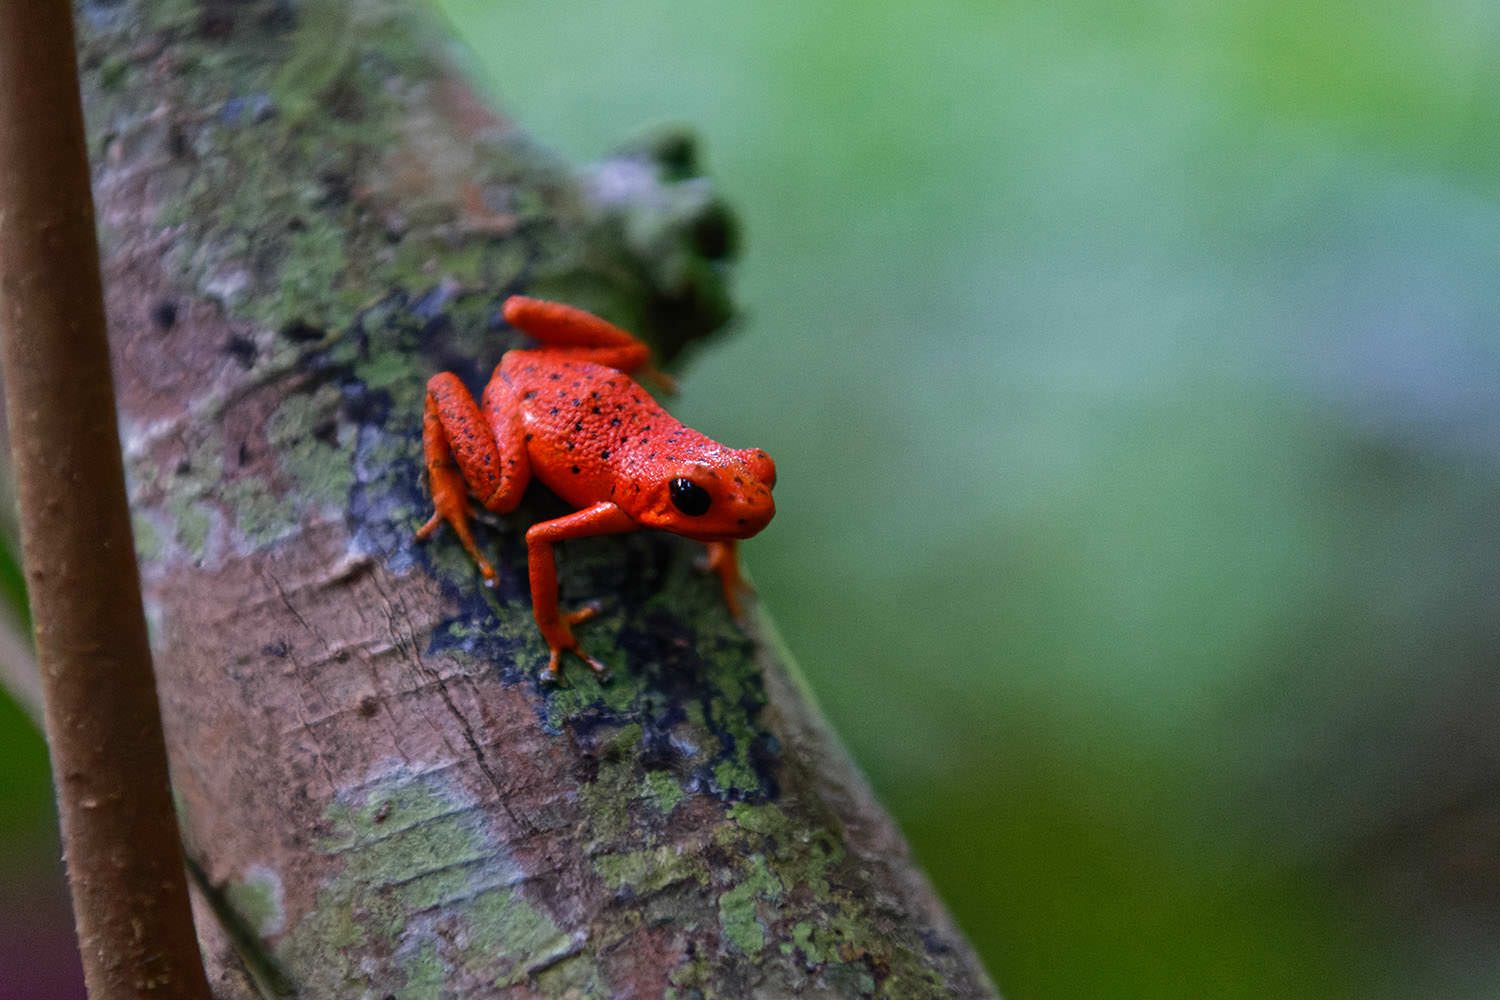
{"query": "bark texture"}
[(306, 213), (135, 930)]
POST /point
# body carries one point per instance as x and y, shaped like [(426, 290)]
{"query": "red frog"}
[(569, 413)]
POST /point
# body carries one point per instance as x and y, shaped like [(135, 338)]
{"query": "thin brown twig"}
[(120, 837)]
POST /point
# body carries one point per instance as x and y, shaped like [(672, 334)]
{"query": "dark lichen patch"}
[(698, 714)]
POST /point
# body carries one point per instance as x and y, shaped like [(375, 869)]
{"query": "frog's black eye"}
[(689, 497)]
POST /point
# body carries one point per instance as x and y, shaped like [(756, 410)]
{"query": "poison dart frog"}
[(569, 413)]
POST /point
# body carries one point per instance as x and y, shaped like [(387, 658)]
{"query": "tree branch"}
[(306, 214)]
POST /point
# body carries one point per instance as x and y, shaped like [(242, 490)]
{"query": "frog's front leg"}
[(722, 559), (469, 450), (600, 519)]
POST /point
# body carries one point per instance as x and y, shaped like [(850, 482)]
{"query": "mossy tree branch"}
[(306, 213)]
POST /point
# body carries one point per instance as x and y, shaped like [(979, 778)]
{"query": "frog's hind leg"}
[(466, 451), (583, 335)]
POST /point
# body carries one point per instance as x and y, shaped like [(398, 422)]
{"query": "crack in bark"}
[(408, 639), (344, 572)]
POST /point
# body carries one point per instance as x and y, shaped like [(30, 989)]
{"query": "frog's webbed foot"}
[(561, 640), (722, 560)]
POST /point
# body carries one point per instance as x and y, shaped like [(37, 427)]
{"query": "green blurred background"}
[(1133, 375)]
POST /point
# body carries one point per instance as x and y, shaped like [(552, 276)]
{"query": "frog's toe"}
[(458, 518), (583, 614), (600, 669), (553, 675)]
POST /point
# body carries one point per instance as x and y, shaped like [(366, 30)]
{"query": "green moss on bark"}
[(424, 892)]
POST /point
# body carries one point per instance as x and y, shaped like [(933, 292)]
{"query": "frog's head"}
[(717, 499)]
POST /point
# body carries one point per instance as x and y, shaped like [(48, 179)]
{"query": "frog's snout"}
[(756, 506), (754, 511)]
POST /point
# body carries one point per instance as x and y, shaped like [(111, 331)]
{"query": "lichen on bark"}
[(306, 213)]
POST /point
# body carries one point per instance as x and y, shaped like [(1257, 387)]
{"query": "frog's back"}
[(587, 427)]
